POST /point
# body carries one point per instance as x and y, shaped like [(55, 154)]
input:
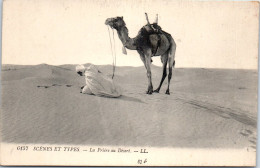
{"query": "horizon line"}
[(130, 66)]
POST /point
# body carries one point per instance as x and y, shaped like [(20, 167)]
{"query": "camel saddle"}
[(150, 29)]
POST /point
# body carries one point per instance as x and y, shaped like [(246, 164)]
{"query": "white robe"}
[(99, 84)]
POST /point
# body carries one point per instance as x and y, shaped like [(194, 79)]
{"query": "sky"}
[(208, 34)]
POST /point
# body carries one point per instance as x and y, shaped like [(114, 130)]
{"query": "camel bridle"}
[(113, 50)]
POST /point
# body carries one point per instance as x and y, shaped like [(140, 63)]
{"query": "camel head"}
[(115, 23)]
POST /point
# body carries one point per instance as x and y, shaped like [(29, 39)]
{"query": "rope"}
[(114, 68), (112, 51)]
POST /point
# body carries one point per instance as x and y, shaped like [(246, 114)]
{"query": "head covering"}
[(80, 68)]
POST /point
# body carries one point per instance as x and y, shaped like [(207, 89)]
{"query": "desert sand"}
[(207, 108)]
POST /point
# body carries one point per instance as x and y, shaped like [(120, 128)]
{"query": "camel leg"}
[(142, 58), (169, 80), (171, 61), (148, 55), (164, 59)]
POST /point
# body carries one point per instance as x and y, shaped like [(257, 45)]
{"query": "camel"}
[(148, 45)]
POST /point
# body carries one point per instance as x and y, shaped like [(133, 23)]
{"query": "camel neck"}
[(126, 40)]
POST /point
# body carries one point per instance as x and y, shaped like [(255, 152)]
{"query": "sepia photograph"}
[(129, 83)]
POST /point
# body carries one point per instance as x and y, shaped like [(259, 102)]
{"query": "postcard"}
[(129, 83)]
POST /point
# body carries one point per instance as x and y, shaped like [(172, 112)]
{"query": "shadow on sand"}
[(128, 98)]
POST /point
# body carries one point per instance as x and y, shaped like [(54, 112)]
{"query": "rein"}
[(113, 51)]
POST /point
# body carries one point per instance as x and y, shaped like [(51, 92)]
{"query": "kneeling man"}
[(97, 83)]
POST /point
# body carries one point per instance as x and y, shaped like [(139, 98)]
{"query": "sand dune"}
[(212, 108)]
